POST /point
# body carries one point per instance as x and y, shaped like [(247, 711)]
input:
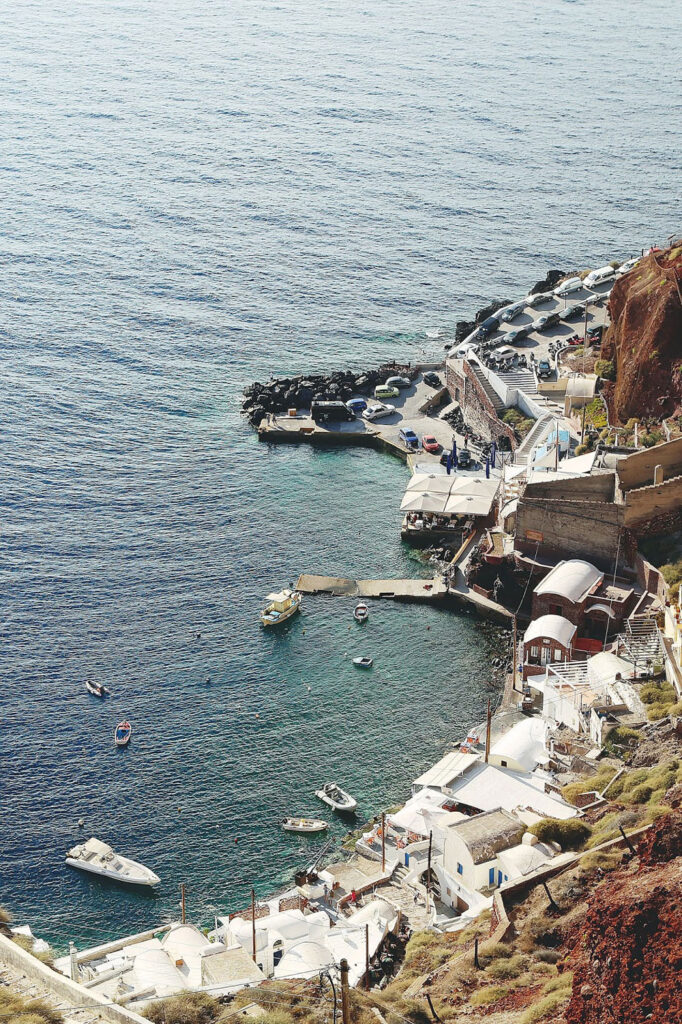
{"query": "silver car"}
[(378, 411)]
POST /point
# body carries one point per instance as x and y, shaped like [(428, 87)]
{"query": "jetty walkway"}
[(433, 591)]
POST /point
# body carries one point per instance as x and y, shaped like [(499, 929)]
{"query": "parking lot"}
[(537, 343)]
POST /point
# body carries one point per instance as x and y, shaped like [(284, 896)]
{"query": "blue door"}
[(499, 877), (491, 876)]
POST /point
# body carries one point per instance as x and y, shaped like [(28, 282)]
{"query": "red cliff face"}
[(627, 963), (645, 339)]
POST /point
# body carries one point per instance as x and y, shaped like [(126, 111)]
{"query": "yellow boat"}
[(281, 606)]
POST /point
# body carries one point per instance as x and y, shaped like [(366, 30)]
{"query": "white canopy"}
[(431, 482), (422, 501)]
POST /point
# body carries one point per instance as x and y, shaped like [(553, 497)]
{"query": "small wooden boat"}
[(96, 689), (304, 825), (122, 734), (361, 613), (281, 607), (336, 797), (364, 662)]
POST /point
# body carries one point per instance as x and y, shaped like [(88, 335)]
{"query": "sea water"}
[(195, 196)]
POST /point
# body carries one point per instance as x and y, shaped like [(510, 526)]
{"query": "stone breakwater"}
[(284, 393)]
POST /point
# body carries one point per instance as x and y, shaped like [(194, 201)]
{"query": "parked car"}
[(595, 333), (385, 391), (464, 458), (552, 319), (408, 437), (398, 382), (571, 312), (544, 369), (356, 405), (537, 300), (516, 335), (433, 380), (627, 266), (540, 323), (489, 326), (573, 284), (378, 411), (327, 412), (597, 277), (503, 354), (464, 350), (430, 444), (508, 314)]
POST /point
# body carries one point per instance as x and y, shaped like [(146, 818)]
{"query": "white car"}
[(599, 276), (573, 284), (627, 266), (378, 411)]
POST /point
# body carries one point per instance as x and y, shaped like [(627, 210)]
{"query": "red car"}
[(429, 444)]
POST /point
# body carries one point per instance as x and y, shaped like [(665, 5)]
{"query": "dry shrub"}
[(186, 1008), (542, 1009), (276, 1017), (505, 970), (607, 860), (489, 994), (5, 916), (560, 983), (26, 943), (570, 833), (495, 950)]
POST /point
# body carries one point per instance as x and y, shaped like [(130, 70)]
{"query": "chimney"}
[(658, 475)]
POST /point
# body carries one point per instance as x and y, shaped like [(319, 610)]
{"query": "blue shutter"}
[(491, 876)]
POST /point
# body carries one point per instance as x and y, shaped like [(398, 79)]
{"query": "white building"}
[(471, 848)]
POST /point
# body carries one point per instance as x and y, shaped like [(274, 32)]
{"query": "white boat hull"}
[(304, 825), (348, 805), (140, 875)]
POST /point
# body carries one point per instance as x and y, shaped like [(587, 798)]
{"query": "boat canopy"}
[(97, 846), (279, 598)]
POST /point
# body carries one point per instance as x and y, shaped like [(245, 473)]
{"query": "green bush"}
[(188, 1008), (562, 981), (570, 833), (605, 368), (622, 734), (505, 970)]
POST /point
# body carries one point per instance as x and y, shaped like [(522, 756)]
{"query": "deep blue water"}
[(194, 196)]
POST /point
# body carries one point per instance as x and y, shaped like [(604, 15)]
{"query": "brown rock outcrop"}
[(627, 964), (644, 340)]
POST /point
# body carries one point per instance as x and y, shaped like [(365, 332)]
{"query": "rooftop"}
[(486, 834), (556, 627), (572, 579)]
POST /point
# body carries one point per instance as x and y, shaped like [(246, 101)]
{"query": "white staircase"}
[(533, 438)]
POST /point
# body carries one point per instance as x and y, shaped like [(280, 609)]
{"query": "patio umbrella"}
[(414, 501)]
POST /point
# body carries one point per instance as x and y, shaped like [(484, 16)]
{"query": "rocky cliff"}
[(645, 339), (627, 962)]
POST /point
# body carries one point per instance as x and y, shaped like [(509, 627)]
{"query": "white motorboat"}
[(336, 797), (99, 859), (304, 825), (361, 612), (281, 606), (364, 662)]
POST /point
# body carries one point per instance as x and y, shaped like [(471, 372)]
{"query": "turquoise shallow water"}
[(196, 196)]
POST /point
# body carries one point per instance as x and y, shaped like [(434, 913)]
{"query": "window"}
[(534, 651), (460, 869), (555, 609), (503, 764), (558, 656)]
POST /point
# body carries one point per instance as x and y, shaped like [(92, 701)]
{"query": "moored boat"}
[(122, 734), (304, 825), (96, 689), (361, 612), (281, 606), (336, 797), (364, 662), (99, 859)]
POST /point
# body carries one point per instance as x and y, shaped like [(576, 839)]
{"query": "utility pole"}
[(487, 731), (345, 1004), (367, 957), (182, 902), (253, 923), (428, 874), (515, 654), (383, 842)]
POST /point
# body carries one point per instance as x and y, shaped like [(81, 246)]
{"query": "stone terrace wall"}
[(655, 509), (638, 470), (478, 411), (599, 487), (571, 529)]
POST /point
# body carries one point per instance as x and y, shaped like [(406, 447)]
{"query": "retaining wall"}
[(638, 470), (477, 409), (571, 529), (63, 989), (656, 508)]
